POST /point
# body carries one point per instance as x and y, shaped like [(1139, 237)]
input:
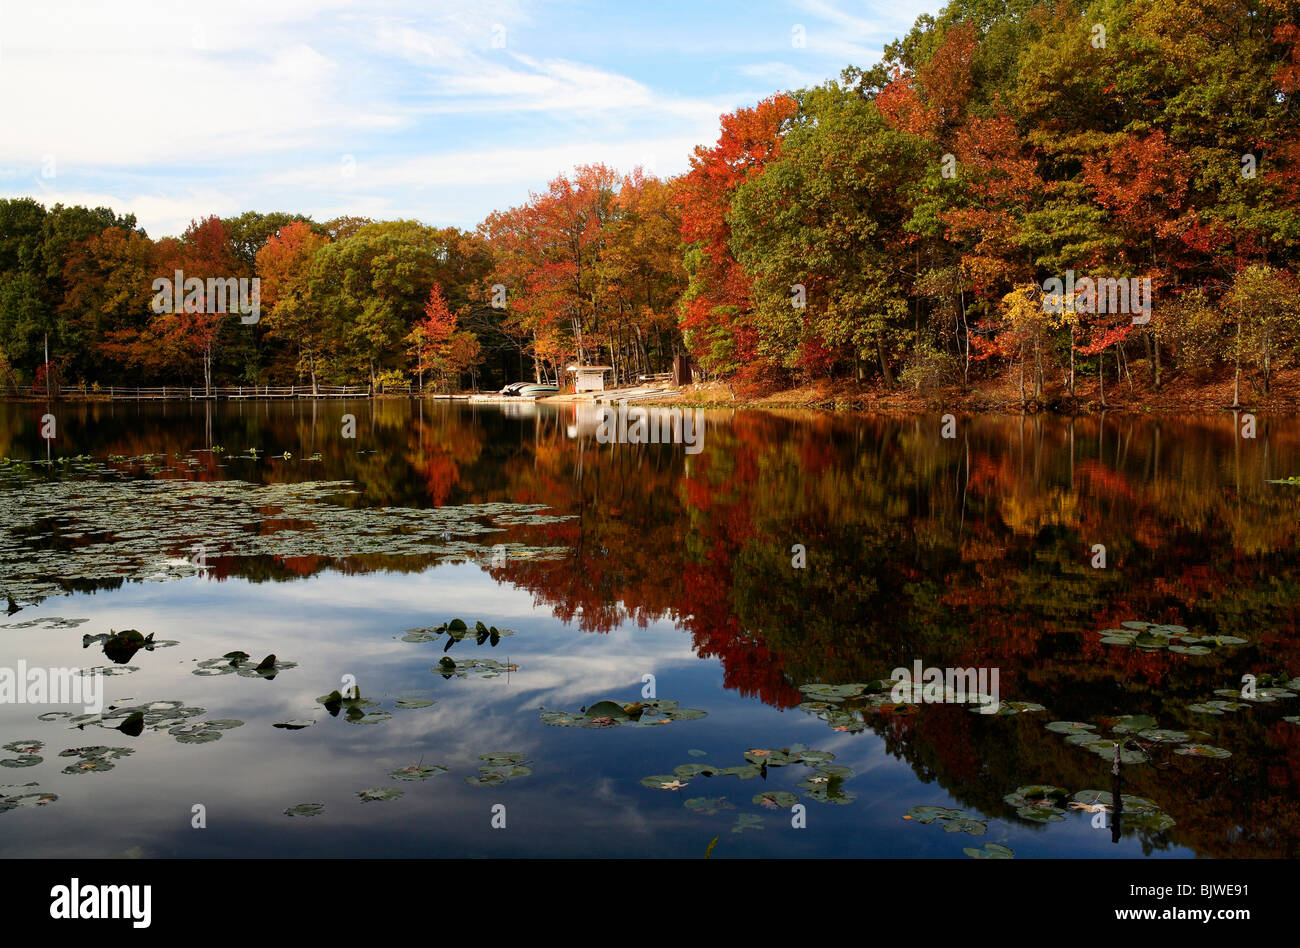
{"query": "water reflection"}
[(973, 551)]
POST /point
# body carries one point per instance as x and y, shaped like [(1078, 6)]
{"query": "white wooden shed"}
[(589, 378)]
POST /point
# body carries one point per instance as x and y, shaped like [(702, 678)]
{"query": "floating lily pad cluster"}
[(1150, 636), (1267, 689), (499, 768), (241, 663), (608, 713), (1137, 812), (448, 668), (12, 801), (49, 622), (353, 707), (845, 707), (1038, 802), (457, 631), (1134, 734), (823, 785), (28, 754), (94, 759), (114, 523), (171, 716), (952, 820)]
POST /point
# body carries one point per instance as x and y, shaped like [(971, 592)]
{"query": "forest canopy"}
[(898, 225)]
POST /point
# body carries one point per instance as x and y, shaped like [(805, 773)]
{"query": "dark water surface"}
[(610, 563)]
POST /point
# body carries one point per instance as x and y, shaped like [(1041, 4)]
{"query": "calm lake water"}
[(599, 565)]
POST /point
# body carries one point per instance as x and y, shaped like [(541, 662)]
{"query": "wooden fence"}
[(224, 392)]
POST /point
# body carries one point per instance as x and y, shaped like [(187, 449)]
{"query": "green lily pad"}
[(1132, 723), (369, 717), (990, 851), (305, 809), (776, 799), (708, 805), (27, 760), (928, 814), (379, 794), (1106, 749), (1202, 750), (695, 770), (664, 782), (195, 734), (697, 753), (25, 747), (744, 772), (504, 757), (27, 800), (417, 772), (1189, 649), (747, 821), (1070, 727), (607, 709), (1164, 736), (409, 704), (1040, 803)]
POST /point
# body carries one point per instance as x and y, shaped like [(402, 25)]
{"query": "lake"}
[(675, 647)]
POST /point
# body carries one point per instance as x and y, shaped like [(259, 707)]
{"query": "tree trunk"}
[(1236, 374), (1072, 360), (884, 362)]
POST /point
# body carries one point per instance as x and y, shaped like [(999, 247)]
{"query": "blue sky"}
[(436, 111)]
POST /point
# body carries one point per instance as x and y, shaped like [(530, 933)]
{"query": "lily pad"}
[(27, 760), (990, 851), (379, 794), (25, 747), (776, 799), (708, 805), (1132, 723), (410, 704), (747, 821), (1164, 736), (1202, 750), (417, 772), (305, 809), (1040, 803)]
